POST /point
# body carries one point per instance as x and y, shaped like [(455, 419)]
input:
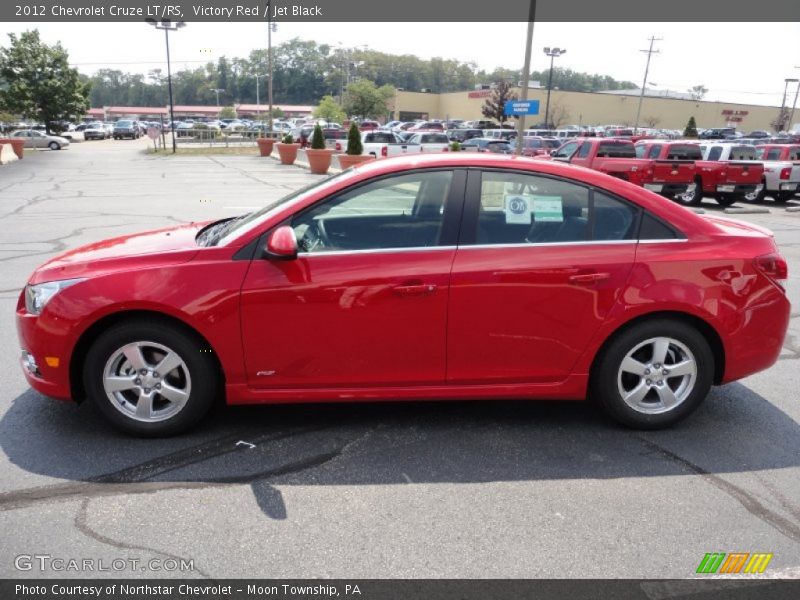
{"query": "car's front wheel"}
[(653, 374), (150, 378)]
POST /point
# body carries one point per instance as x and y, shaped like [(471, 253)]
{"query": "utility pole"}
[(526, 73), (794, 104), (650, 53)]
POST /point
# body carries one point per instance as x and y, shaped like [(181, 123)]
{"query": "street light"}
[(168, 26), (270, 28), (553, 53), (217, 91), (258, 101)]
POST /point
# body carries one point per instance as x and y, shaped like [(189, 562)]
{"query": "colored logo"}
[(517, 205), (734, 562)]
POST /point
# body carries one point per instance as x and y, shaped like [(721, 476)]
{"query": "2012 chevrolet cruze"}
[(427, 277)]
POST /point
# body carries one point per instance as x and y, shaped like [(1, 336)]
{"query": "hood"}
[(166, 246)]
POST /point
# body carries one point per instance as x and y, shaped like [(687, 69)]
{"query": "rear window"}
[(684, 152), (124, 123), (616, 150), (379, 138), (743, 153), (773, 154), (434, 138)]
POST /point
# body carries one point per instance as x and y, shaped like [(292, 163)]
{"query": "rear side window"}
[(655, 229), (773, 154), (517, 208), (616, 150), (654, 151)]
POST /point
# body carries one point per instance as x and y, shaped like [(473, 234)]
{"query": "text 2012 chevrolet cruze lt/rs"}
[(445, 276)]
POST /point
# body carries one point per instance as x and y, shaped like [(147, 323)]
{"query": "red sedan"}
[(424, 277)]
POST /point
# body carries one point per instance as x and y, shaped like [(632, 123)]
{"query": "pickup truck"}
[(718, 175), (617, 158), (781, 172), (382, 144), (429, 142)]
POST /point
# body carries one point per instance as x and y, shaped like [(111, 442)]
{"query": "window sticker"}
[(548, 209), (518, 208)]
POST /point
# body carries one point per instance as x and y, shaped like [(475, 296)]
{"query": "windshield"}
[(231, 229), (124, 123)]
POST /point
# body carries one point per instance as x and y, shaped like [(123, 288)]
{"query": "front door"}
[(365, 302), (543, 262)]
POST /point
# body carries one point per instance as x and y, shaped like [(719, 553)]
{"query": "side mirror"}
[(282, 244), (553, 153)]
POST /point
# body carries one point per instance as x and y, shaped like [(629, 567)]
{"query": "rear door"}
[(540, 264)]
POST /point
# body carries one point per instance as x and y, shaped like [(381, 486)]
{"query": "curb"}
[(755, 210)]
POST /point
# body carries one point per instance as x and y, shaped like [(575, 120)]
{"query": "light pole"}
[(168, 26), (526, 73), (650, 53), (552, 53), (217, 91), (258, 100), (270, 28)]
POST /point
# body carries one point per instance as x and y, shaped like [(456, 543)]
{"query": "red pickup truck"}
[(617, 158), (717, 176)]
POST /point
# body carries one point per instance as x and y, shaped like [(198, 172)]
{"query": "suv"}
[(718, 133), (126, 129)]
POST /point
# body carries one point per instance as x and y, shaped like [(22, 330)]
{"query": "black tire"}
[(783, 197), (694, 199), (608, 378), (202, 381), (54, 146), (726, 201), (759, 197)]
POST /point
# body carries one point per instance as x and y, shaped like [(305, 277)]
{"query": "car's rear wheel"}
[(54, 146), (653, 374), (150, 378), (726, 200), (783, 197)]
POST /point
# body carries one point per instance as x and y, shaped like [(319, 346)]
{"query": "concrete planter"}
[(16, 143), (265, 146), (349, 160), (287, 152), (319, 161)]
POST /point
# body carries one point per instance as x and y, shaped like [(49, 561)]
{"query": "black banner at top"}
[(602, 11)]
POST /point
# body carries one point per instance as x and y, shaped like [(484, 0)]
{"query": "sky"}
[(739, 62)]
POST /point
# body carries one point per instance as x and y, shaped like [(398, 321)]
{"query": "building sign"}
[(521, 107), (480, 94), (735, 113)]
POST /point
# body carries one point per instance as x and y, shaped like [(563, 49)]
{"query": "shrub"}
[(455, 147), (288, 139), (317, 139), (691, 128), (354, 145)]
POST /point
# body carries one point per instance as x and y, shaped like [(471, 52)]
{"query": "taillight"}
[(445, 149), (385, 151), (723, 174), (774, 267), (786, 172), (338, 146)]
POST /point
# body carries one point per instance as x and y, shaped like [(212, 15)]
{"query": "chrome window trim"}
[(376, 251), (550, 244)]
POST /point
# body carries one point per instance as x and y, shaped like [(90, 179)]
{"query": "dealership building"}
[(659, 109)]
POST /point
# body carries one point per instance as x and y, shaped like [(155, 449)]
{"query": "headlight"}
[(37, 296)]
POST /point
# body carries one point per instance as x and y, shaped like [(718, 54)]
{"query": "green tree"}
[(227, 112), (277, 112), (37, 82), (364, 99), (691, 128), (494, 106), (329, 110)]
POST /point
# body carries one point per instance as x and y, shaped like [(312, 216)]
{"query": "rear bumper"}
[(736, 189), (789, 186), (667, 189)]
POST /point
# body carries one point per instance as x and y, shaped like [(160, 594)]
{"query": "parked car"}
[(718, 133), (500, 134), (38, 139), (463, 134), (724, 179), (429, 142), (370, 285), (381, 144), (94, 131), (491, 145), (126, 128), (537, 146)]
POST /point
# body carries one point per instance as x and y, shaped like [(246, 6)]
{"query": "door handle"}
[(589, 278), (414, 290)]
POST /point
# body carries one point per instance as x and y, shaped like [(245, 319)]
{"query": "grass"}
[(206, 150)]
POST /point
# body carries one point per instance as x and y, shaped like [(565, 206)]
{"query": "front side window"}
[(567, 150), (655, 150), (402, 211), (517, 208)]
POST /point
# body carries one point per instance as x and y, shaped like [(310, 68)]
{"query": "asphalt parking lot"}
[(416, 490)]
